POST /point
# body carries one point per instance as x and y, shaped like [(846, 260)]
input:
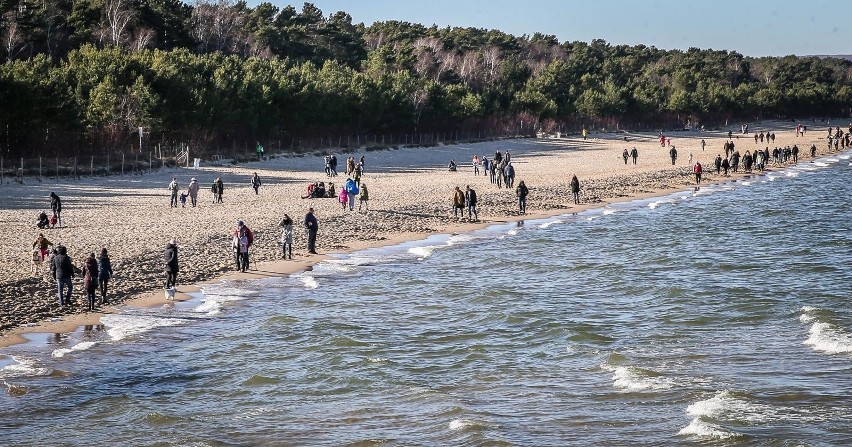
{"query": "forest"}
[(82, 77)]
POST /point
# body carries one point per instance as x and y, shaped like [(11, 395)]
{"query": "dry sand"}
[(410, 192)]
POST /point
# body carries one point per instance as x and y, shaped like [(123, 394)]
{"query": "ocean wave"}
[(423, 252), (82, 346), (653, 205), (631, 378), (309, 281), (826, 337), (215, 298), (23, 367), (128, 325), (550, 223), (703, 429), (466, 424)]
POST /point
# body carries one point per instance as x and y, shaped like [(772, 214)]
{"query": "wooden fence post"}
[(92, 166), (122, 163), (39, 168)]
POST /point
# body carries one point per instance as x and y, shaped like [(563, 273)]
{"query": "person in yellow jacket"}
[(458, 202)]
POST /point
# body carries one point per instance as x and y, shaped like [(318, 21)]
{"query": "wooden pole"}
[(109, 167), (22, 169), (39, 168), (92, 166), (1, 170), (122, 163)]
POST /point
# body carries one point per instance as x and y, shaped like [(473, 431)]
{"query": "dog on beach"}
[(37, 262), (170, 294)]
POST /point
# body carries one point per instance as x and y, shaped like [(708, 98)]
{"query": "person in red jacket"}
[(697, 169), (243, 238)]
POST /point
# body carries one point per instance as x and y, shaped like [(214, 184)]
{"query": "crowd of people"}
[(96, 271)]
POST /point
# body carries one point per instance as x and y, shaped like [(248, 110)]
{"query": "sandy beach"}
[(410, 191)]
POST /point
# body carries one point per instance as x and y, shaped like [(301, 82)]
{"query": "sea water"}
[(715, 316)]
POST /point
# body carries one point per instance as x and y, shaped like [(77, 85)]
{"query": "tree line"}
[(81, 77)]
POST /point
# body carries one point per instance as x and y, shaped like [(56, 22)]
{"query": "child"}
[(183, 200), (363, 198), (287, 237)]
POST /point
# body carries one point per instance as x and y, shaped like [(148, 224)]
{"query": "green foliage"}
[(222, 72)]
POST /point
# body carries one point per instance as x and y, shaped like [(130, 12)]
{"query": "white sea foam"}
[(704, 429), (463, 424), (820, 164), (608, 211), (831, 160), (512, 232), (459, 238), (630, 378), (825, 337), (128, 325), (653, 205), (745, 183), (215, 297), (792, 174), (82, 346), (422, 252), (23, 367), (549, 223), (309, 281), (844, 157)]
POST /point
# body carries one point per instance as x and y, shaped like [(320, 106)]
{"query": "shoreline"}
[(655, 178), (283, 268)]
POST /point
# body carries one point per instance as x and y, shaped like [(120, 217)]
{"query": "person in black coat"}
[(312, 226), (171, 264), (104, 273), (62, 270), (56, 207), (90, 280)]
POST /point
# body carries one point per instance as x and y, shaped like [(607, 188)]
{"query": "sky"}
[(750, 27)]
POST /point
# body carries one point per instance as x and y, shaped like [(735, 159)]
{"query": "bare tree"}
[(117, 18), (13, 40), (143, 37), (217, 25)]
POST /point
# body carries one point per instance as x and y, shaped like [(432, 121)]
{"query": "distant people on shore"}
[(509, 172), (458, 202), (673, 154), (286, 225), (170, 257), (363, 198), (173, 193), (521, 192), (192, 190), (218, 189), (255, 182), (43, 222), (718, 163), (575, 189), (625, 155), (241, 243), (475, 161), (62, 270), (451, 166), (56, 207), (351, 187), (259, 150), (312, 226), (471, 199), (635, 154), (40, 249), (104, 274), (90, 280), (697, 169)]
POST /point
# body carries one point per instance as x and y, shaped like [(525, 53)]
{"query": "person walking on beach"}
[(522, 191), (90, 280), (718, 163), (625, 155), (725, 166), (104, 273), (635, 154), (56, 207), (584, 134), (673, 154), (41, 243), (286, 237), (363, 198), (703, 143), (218, 189), (510, 173), (62, 270), (192, 190), (343, 197), (173, 192), (575, 189), (470, 198), (171, 264), (255, 182), (243, 238), (475, 163), (312, 226), (458, 202), (259, 150), (697, 169)]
